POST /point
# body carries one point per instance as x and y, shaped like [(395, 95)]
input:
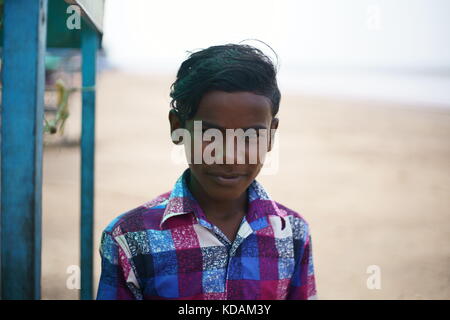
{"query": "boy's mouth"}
[(226, 179)]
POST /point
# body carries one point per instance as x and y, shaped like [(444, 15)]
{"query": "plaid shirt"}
[(167, 249)]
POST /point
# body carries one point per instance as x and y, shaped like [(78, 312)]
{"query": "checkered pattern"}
[(167, 249)]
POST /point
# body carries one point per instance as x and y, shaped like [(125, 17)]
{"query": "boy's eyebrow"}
[(215, 126)]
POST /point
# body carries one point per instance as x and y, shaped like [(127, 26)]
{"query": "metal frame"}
[(89, 45)]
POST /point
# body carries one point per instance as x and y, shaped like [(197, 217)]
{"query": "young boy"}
[(217, 234)]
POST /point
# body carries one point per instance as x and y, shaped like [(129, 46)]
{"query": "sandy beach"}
[(373, 181)]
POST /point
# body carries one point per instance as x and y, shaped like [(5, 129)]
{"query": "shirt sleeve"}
[(303, 284), (112, 285)]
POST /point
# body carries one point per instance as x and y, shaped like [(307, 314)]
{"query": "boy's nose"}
[(233, 153)]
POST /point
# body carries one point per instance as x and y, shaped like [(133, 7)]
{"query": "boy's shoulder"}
[(300, 227), (146, 216), (272, 206)]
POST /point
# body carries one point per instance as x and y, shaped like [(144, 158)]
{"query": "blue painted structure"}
[(89, 45), (21, 155), (23, 78)]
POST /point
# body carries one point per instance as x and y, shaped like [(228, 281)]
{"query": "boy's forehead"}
[(234, 109)]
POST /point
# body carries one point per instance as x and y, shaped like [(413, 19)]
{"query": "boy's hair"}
[(229, 68)]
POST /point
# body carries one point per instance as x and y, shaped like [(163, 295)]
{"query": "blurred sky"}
[(396, 50)]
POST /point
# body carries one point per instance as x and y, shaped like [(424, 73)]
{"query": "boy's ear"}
[(273, 128), (175, 123)]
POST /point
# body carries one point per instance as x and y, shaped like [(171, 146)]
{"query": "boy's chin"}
[(223, 187), (223, 190)]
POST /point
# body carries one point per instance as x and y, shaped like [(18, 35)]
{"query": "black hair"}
[(229, 68)]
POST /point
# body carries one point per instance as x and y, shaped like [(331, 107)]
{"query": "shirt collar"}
[(181, 201)]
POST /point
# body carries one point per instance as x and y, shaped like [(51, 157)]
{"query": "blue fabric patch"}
[(108, 248), (250, 268), (160, 240), (165, 263), (259, 223), (149, 286), (285, 268), (235, 268), (167, 286), (106, 292), (249, 247), (213, 280), (110, 273), (214, 257)]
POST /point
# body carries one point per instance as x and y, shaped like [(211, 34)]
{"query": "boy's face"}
[(222, 110)]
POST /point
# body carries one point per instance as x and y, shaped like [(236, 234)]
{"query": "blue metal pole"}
[(89, 45), (22, 116)]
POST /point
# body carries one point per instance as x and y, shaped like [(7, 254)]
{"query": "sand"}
[(372, 180)]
